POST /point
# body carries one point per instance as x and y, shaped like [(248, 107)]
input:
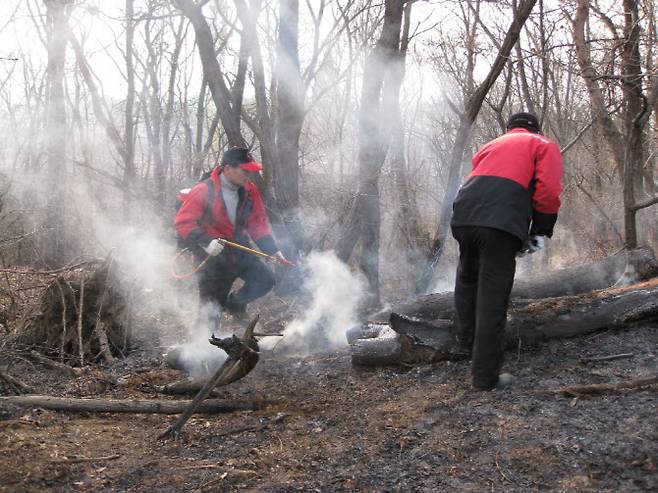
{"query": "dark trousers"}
[(485, 275), (219, 273)]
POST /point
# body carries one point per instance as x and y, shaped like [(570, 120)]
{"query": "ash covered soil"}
[(335, 427)]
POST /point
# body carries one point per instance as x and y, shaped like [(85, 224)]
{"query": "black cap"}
[(236, 156), (524, 120)]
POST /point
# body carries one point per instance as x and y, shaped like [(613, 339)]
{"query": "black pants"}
[(485, 275), (219, 273)]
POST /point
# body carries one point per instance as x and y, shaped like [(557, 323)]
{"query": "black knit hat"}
[(524, 120), (240, 157), (236, 155)]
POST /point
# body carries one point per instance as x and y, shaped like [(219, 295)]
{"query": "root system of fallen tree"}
[(80, 316)]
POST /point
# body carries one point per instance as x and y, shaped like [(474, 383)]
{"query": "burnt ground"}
[(341, 428)]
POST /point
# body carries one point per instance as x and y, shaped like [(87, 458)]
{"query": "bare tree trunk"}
[(289, 118), (228, 113), (171, 98), (627, 149), (364, 220), (129, 118), (101, 113), (56, 18), (467, 118), (154, 126), (407, 217), (631, 84)]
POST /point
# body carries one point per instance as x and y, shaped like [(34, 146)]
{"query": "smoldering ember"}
[(332, 245)]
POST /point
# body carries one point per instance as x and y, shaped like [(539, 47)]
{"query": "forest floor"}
[(337, 427)]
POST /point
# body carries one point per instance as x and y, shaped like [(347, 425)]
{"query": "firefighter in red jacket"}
[(508, 205), (228, 206)]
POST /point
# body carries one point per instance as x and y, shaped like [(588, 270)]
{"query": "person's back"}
[(515, 181), (513, 191)]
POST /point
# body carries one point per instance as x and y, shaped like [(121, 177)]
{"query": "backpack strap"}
[(207, 209)]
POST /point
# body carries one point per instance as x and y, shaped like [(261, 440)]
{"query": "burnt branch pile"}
[(80, 316)]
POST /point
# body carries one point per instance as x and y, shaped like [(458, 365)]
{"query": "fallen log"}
[(564, 282), (580, 315), (423, 341), (209, 406)]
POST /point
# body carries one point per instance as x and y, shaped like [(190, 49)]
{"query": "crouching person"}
[(227, 205)]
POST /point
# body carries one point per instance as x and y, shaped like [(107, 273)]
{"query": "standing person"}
[(227, 205), (508, 204)]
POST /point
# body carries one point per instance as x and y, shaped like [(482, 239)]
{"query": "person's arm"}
[(548, 187)]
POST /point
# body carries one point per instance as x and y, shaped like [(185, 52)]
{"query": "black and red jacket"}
[(201, 218), (514, 186)]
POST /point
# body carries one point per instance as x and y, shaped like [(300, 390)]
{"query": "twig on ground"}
[(212, 482), (20, 386), (599, 388), (607, 358), (55, 365), (500, 469), (76, 460)]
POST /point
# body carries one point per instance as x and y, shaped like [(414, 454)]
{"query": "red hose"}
[(180, 277)]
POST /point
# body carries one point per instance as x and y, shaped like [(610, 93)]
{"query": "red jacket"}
[(197, 224), (521, 155), (515, 184)]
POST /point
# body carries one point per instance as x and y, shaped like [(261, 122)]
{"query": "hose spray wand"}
[(228, 243)]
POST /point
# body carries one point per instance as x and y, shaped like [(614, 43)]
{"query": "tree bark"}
[(407, 218), (289, 118), (129, 118), (364, 220)]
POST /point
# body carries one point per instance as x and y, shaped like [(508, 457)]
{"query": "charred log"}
[(420, 341), (192, 386), (564, 282)]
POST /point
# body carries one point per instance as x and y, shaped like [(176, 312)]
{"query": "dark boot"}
[(236, 308)]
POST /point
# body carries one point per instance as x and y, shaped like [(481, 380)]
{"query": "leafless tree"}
[(627, 143)]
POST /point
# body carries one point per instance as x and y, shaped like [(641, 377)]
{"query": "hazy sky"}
[(20, 38)]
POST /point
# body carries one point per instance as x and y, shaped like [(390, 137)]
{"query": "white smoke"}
[(334, 296)]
